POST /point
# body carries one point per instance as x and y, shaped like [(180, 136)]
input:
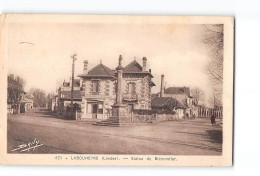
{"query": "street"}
[(183, 137)]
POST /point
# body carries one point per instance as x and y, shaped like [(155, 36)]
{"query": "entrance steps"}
[(114, 122)]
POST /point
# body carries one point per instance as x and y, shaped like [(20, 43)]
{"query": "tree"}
[(197, 95), (214, 41), (215, 101), (39, 99), (14, 92)]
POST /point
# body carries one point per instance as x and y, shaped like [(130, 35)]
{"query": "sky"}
[(175, 50)]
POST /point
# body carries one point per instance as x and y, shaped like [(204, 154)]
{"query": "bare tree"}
[(213, 40), (215, 101), (197, 94)]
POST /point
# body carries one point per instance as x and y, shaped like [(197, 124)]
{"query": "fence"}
[(208, 112)]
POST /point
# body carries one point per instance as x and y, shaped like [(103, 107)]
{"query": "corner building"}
[(100, 84)]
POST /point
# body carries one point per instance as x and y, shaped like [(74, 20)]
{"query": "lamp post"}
[(74, 58)]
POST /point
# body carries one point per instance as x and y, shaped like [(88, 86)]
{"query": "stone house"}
[(26, 102), (53, 103), (169, 103), (99, 86), (181, 94), (63, 100)]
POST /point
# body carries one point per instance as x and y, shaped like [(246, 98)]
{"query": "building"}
[(53, 103), (180, 94), (26, 103), (63, 100), (170, 104), (100, 89)]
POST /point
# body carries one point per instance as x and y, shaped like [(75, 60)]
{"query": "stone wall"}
[(137, 118)]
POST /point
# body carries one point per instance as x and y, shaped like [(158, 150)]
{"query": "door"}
[(22, 108), (94, 111), (130, 111)]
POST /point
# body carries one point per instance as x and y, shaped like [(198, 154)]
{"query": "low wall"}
[(137, 118)]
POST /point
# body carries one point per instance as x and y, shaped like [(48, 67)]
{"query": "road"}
[(183, 137)]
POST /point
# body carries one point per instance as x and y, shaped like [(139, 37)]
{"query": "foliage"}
[(14, 91), (76, 107), (39, 99)]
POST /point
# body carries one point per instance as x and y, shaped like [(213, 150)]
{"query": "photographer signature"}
[(29, 146)]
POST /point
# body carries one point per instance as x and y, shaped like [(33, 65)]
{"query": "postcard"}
[(116, 90)]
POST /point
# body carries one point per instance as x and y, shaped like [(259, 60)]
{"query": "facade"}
[(181, 94), (169, 103), (100, 89), (53, 104), (63, 100), (26, 102)]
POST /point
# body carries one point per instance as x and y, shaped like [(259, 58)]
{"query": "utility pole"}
[(74, 58)]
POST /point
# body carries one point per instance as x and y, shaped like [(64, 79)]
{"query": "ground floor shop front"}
[(101, 109)]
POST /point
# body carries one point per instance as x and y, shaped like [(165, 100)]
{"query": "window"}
[(131, 88), (95, 85)]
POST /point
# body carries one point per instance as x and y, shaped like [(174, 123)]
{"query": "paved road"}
[(185, 137)]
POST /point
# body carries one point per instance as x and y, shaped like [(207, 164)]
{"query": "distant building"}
[(63, 100), (169, 103), (180, 94), (53, 103), (26, 103), (99, 89)]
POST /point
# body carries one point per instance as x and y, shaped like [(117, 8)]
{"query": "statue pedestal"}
[(119, 111)]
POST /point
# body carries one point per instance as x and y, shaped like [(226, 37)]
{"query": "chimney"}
[(162, 86), (144, 64), (85, 70)]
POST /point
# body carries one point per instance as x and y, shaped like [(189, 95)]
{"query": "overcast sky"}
[(174, 50)]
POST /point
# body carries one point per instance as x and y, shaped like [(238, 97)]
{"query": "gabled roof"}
[(133, 67), (177, 90), (99, 71), (166, 101)]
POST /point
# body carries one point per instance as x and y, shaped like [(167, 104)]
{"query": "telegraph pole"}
[(74, 58)]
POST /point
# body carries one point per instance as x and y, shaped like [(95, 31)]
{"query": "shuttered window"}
[(95, 86)]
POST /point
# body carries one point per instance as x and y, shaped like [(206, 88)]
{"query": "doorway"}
[(94, 111), (130, 108)]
